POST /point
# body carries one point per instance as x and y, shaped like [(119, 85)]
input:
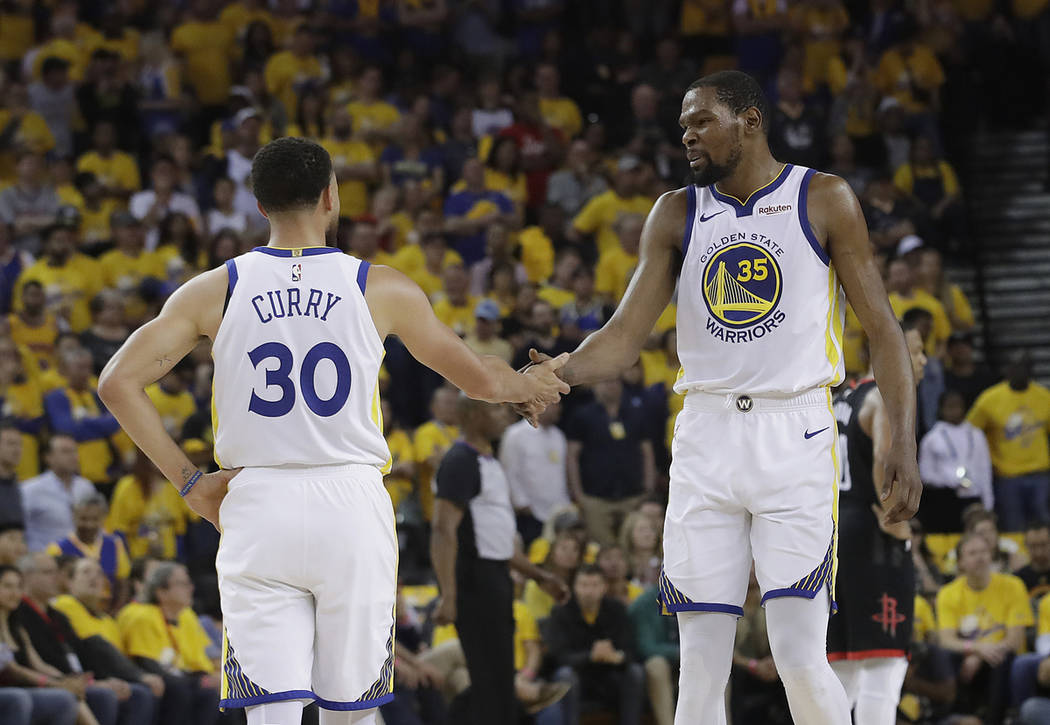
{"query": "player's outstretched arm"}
[(615, 347), (194, 310), (837, 219), (399, 307)]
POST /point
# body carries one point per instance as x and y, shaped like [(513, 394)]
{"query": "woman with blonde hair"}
[(641, 544)]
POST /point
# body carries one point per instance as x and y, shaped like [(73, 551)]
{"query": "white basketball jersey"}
[(297, 359), (760, 309)]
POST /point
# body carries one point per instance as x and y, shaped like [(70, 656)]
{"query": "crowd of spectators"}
[(504, 155)]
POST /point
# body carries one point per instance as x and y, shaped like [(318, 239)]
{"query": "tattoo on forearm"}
[(163, 360), (187, 473)]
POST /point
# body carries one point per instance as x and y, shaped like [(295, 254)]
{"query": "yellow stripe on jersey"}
[(377, 416), (833, 333), (745, 201)]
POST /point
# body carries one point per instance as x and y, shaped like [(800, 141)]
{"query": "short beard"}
[(713, 173)]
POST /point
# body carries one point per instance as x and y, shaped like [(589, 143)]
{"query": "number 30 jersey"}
[(297, 359), (760, 309)]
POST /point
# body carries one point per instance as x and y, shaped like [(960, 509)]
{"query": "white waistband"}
[(743, 403), (305, 473)]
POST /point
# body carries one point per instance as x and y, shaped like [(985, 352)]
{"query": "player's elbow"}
[(111, 387)]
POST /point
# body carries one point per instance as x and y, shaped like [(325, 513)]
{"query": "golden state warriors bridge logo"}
[(742, 285)]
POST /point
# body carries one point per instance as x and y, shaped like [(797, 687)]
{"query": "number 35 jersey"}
[(297, 359), (760, 309)]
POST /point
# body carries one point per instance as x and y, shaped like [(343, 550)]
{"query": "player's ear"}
[(753, 119), (261, 210)]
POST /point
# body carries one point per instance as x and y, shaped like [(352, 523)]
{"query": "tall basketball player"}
[(869, 638), (308, 557), (767, 249)]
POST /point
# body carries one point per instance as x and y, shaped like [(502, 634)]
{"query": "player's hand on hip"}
[(445, 613), (207, 495), (902, 487)]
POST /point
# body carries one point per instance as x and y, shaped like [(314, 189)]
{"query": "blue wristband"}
[(190, 483)]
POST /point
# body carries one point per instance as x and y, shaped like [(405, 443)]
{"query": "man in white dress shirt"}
[(955, 467), (534, 461), (48, 499)]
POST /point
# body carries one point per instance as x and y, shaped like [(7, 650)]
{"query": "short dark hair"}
[(31, 283), (588, 570), (913, 317), (737, 90), (53, 63), (289, 174), (5, 568)]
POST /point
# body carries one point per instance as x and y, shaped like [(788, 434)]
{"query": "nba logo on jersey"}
[(297, 272)]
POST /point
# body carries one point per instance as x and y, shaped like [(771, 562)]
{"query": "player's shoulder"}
[(671, 211), (826, 188)]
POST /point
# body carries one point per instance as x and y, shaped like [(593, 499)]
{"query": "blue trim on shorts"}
[(306, 695), (705, 607), (789, 592), (268, 697), (355, 705)]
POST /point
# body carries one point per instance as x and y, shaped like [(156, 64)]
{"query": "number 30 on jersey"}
[(281, 378)]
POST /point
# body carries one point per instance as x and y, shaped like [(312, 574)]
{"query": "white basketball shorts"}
[(307, 569), (751, 477)]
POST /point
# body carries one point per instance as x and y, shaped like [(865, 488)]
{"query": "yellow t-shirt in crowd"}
[(174, 408), (125, 273), (704, 17), (237, 18), (555, 296), (374, 116), (563, 114), (32, 133), (119, 170), (182, 645), (410, 259), (286, 70), (401, 449), (156, 520), (613, 272), (459, 317), (1043, 617), (600, 213), (1017, 425), (525, 630), (823, 27), (86, 624), (985, 615), (538, 602), (207, 47), (895, 75), (353, 193), (25, 400), (942, 326), (537, 254), (925, 622), (40, 341), (69, 288), (17, 32), (94, 223), (126, 46), (513, 187), (430, 437), (905, 176)]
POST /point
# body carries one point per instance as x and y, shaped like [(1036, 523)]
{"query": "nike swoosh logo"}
[(712, 216), (816, 432)]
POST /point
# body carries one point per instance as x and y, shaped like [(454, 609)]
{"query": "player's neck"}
[(292, 232), (750, 175)]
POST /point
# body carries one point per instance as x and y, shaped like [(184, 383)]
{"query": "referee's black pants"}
[(485, 622)]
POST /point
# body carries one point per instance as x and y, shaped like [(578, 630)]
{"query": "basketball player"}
[(869, 638), (767, 249), (308, 556)]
